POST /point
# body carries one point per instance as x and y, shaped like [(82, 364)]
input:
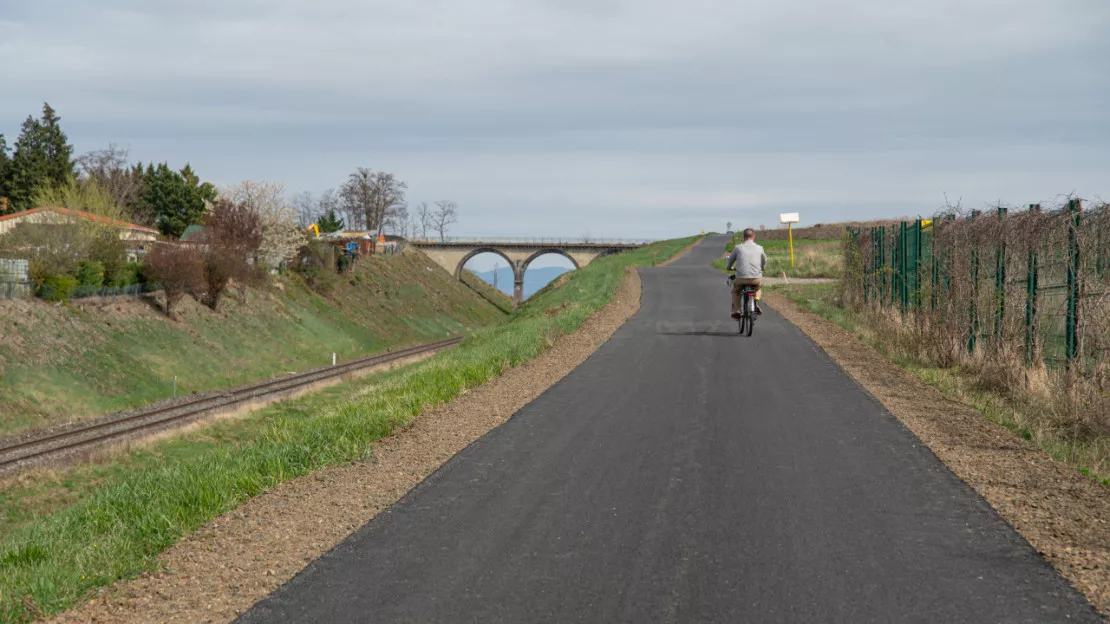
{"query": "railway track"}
[(70, 442)]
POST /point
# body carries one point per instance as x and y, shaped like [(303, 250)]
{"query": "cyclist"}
[(749, 260)]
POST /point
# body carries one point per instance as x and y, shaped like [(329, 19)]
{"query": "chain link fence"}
[(13, 279), (1022, 294)]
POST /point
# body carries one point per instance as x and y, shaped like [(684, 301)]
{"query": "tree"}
[(372, 199), (423, 219), (728, 226), (178, 268), (232, 236), (176, 198), (5, 174), (281, 236), (446, 214), (329, 222), (42, 158), (110, 170), (305, 206)]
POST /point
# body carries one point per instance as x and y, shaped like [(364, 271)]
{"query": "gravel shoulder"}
[(222, 569), (1064, 515)]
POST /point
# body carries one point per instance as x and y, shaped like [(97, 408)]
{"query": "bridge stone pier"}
[(453, 254)]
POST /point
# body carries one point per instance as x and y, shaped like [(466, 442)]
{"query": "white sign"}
[(788, 217)]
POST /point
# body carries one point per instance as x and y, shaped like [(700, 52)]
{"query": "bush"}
[(129, 274), (57, 287), (90, 273), (179, 268)]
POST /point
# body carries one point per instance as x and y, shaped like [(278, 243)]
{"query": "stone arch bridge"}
[(453, 253)]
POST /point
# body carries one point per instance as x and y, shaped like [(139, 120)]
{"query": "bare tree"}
[(423, 219), (110, 171), (372, 199), (329, 201), (307, 209), (397, 221), (446, 214)]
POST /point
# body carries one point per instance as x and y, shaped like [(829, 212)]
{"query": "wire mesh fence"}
[(1029, 287)]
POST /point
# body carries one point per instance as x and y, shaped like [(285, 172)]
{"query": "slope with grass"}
[(118, 516), (813, 257), (62, 363), (495, 296)]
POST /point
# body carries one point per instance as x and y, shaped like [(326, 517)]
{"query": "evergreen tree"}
[(59, 153), (176, 198), (5, 173), (329, 222), (42, 159)]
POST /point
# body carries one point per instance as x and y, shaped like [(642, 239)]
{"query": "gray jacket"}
[(749, 260)]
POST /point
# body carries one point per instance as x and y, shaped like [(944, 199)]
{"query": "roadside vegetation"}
[(83, 360), (1026, 352), (117, 516), (812, 257)]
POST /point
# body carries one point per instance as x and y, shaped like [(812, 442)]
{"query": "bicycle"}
[(747, 310)]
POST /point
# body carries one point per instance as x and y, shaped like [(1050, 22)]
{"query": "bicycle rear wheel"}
[(751, 323)]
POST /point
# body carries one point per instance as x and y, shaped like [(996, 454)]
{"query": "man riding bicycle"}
[(749, 261)]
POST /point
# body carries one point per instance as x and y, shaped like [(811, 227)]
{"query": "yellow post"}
[(790, 233)]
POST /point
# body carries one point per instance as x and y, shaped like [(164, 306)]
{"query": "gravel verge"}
[(1061, 512), (222, 569)]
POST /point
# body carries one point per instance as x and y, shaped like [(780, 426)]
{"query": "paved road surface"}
[(683, 474)]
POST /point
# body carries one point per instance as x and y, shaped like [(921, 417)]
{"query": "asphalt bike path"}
[(686, 474)]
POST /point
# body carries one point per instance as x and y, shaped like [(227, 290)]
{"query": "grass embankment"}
[(121, 515), (1024, 415), (484, 289), (83, 360), (812, 257)]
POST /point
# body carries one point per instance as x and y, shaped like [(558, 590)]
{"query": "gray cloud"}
[(626, 118)]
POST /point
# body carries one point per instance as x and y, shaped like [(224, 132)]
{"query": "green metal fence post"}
[(1031, 298), (973, 307), (903, 273), (936, 267), (1074, 207), (1000, 279)]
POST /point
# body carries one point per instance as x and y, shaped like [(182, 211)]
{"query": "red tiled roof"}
[(81, 214)]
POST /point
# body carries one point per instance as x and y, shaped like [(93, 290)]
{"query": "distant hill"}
[(534, 279)]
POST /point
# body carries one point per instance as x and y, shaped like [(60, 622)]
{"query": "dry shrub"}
[(960, 301), (178, 268)]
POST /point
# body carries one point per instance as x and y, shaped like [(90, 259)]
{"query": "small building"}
[(137, 237), (53, 215)]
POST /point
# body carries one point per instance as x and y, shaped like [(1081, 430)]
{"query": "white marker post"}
[(790, 218), (333, 359)]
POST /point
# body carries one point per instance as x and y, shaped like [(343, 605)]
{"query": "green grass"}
[(812, 258), (1089, 454), (61, 363), (123, 514)]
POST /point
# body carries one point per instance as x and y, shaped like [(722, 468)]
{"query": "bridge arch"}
[(545, 251), (517, 272)]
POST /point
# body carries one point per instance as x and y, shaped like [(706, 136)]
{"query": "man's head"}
[(749, 235)]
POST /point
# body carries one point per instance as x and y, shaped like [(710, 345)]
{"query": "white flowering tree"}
[(281, 235)]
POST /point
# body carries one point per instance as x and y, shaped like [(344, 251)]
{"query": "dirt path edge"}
[(235, 560), (1064, 515)]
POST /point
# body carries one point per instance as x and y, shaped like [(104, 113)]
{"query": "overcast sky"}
[(610, 118)]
